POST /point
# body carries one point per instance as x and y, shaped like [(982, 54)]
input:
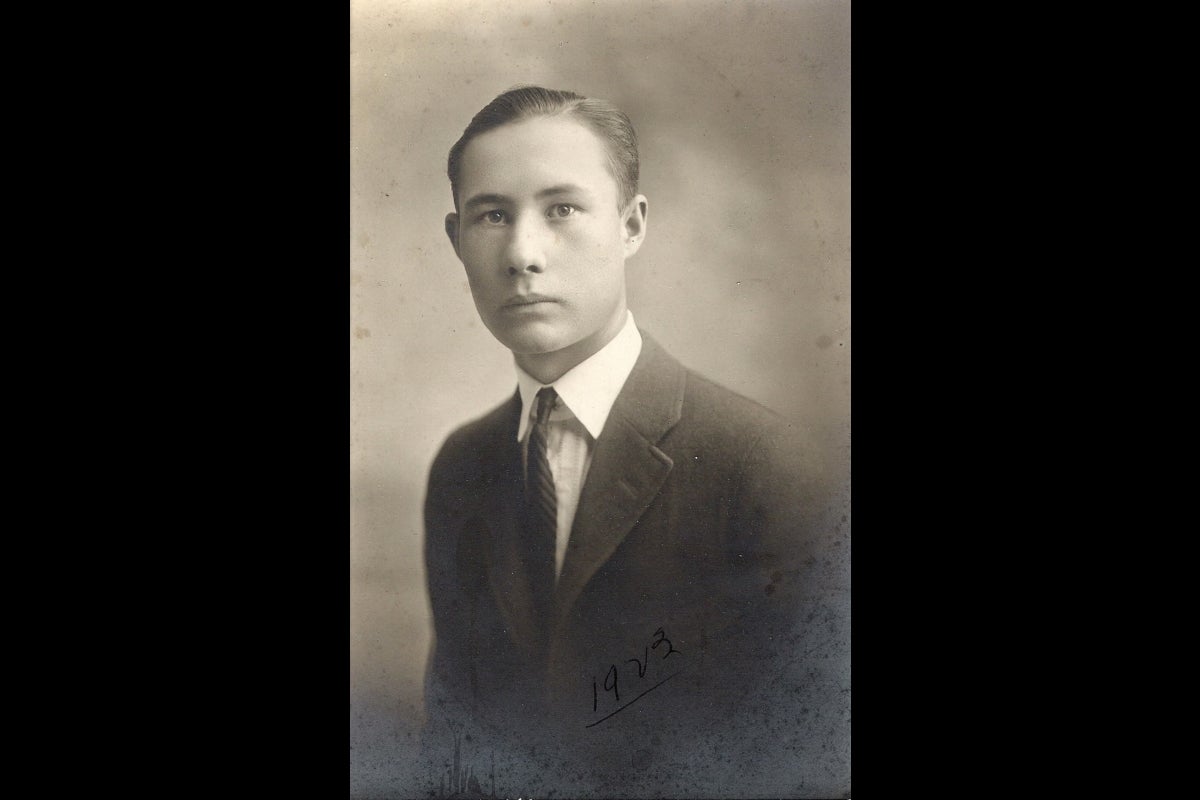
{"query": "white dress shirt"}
[(586, 394)]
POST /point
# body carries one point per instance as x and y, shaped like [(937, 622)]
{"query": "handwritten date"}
[(612, 678)]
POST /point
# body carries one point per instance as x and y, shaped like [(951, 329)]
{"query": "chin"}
[(532, 339)]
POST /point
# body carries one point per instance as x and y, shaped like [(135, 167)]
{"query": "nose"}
[(526, 251)]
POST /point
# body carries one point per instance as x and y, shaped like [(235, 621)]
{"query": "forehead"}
[(521, 158)]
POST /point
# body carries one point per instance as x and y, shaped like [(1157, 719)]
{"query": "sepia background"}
[(743, 115)]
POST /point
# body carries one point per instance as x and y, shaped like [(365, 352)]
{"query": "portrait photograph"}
[(600, 399)]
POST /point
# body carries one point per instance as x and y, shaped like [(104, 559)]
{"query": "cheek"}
[(470, 250), (477, 258), (597, 246), (478, 277)]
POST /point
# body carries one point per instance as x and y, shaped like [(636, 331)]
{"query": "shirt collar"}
[(590, 388)]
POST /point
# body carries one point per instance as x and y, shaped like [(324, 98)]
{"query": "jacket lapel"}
[(495, 519), (507, 573), (627, 470)]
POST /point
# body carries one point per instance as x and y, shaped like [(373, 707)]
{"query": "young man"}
[(616, 555)]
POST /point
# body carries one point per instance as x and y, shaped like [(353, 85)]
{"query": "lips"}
[(517, 301)]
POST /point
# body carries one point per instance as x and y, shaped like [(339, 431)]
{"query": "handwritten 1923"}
[(642, 665)]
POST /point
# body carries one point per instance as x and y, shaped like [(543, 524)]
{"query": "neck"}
[(549, 367)]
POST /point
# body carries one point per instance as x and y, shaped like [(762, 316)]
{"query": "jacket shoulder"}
[(745, 437), (721, 413)]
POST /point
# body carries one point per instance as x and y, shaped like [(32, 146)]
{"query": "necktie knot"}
[(546, 398)]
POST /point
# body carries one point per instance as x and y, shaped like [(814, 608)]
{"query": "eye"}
[(494, 216), (562, 210)]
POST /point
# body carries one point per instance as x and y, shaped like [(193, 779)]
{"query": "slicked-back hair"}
[(526, 102)]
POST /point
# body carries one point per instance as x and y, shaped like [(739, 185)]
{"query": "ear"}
[(633, 224), (452, 231)]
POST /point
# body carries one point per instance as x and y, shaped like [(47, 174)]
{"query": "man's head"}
[(546, 214)]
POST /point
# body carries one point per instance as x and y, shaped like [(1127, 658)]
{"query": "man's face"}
[(541, 237)]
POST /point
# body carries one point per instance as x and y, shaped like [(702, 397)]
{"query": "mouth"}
[(525, 300)]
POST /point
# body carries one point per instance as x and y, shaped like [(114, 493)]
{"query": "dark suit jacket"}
[(695, 538)]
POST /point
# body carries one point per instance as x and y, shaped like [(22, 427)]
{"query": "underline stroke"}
[(634, 700)]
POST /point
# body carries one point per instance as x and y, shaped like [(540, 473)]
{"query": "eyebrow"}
[(485, 199), (551, 191), (562, 188)]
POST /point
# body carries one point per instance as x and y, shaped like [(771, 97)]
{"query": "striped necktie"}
[(541, 505)]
